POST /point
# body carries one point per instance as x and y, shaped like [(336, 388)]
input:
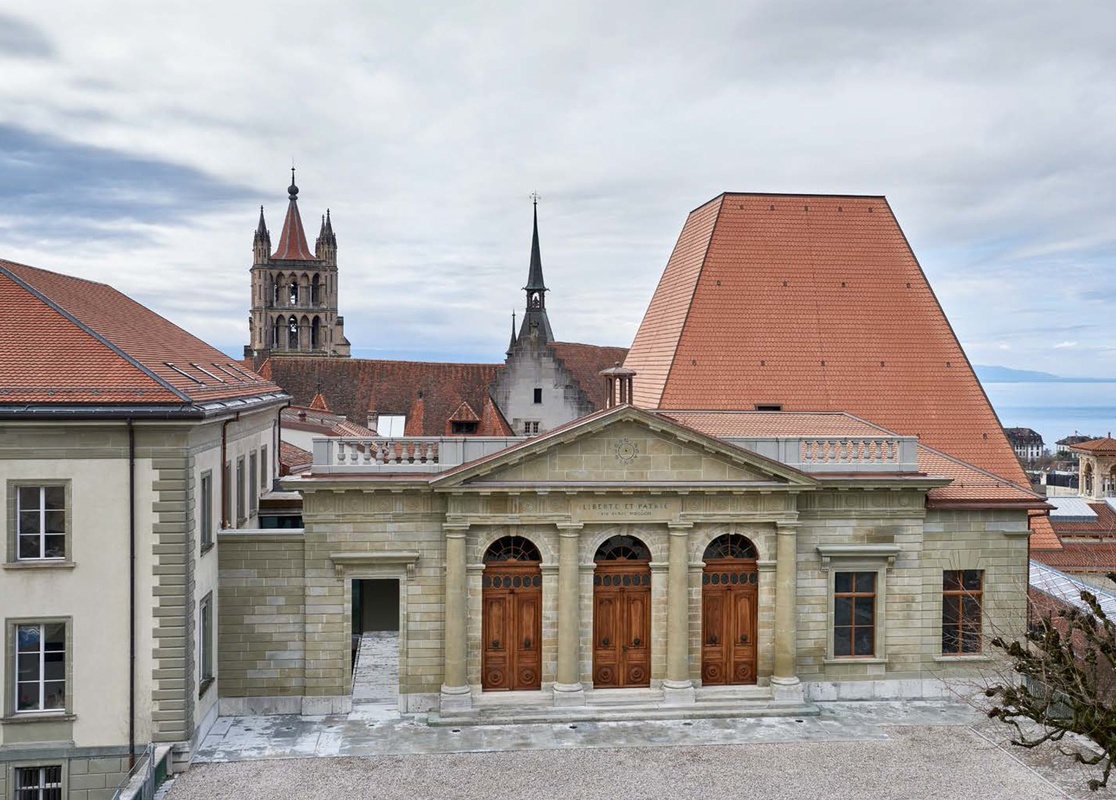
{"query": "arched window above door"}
[(731, 545), (512, 548), (626, 548)]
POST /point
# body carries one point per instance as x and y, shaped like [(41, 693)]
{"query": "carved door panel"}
[(621, 625), (511, 603), (728, 622)]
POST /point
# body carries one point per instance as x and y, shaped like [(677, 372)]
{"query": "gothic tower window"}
[(292, 334), (316, 332), (316, 290), (294, 293)]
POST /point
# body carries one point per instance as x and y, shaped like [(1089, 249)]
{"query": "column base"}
[(678, 693), (455, 698), (787, 690), (569, 694)]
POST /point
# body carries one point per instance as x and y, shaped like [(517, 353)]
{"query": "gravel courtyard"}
[(949, 762)]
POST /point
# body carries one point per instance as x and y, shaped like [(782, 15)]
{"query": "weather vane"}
[(534, 197)]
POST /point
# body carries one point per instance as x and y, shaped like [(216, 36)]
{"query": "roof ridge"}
[(693, 292), (21, 265), (94, 334)]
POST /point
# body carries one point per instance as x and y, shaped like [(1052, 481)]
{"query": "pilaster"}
[(677, 686), (568, 690), (785, 684), (455, 686)]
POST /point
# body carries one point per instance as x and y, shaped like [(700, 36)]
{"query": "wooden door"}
[(728, 621), (621, 624), (511, 626)]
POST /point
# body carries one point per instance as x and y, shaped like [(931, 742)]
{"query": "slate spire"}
[(536, 325)]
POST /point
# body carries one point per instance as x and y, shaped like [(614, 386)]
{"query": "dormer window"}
[(769, 407), (463, 428)]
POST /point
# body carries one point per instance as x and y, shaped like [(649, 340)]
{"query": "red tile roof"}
[(428, 393), (1104, 523), (319, 403), (293, 459), (585, 362), (69, 341), (292, 242), (1079, 556), (776, 423), (815, 303), (1103, 446)]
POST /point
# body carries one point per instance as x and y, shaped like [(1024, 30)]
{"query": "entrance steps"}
[(621, 705)]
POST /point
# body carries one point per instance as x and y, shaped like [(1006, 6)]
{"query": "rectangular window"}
[(253, 472), (206, 521), (239, 491), (531, 427), (461, 428), (854, 614), (38, 783), (228, 497), (265, 465), (962, 611), (40, 667), (205, 642), (40, 523), (538, 395)]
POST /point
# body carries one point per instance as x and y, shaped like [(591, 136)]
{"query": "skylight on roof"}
[(185, 374), (202, 369)]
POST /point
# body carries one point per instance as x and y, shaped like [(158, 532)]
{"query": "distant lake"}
[(1055, 409)]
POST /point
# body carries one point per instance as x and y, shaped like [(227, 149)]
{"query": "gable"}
[(631, 451)]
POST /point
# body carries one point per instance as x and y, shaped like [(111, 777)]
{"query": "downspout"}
[(131, 594)]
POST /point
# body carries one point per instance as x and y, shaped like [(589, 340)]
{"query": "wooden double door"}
[(728, 621), (511, 598), (621, 624)]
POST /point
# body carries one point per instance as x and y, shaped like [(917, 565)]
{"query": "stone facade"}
[(626, 473), (88, 590)]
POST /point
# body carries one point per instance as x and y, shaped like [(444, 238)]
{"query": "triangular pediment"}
[(624, 446)]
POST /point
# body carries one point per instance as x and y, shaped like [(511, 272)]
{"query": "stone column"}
[(568, 690), (786, 687), (455, 688), (677, 687)]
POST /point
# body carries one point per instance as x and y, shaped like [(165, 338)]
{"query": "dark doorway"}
[(375, 608)]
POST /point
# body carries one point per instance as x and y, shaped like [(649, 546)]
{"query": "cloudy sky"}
[(138, 139)]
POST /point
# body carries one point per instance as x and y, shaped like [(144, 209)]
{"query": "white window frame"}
[(14, 653), (15, 492)]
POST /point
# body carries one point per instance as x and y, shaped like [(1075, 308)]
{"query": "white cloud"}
[(425, 128), (1062, 345)]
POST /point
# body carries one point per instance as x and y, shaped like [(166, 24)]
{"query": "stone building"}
[(541, 384), (1027, 443), (813, 500), (295, 291), (126, 444)]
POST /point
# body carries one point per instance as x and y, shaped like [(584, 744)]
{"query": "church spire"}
[(292, 241), (536, 325), (261, 241), (511, 344)]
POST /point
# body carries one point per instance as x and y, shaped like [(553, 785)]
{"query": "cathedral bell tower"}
[(294, 291)]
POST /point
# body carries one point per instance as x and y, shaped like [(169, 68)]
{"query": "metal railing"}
[(146, 776)]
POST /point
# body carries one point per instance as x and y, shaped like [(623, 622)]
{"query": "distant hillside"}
[(994, 374)]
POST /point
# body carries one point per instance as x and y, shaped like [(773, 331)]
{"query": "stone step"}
[(599, 712)]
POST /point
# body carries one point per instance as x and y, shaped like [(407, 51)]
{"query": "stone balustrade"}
[(420, 454), (430, 454)]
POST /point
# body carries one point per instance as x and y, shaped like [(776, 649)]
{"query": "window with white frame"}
[(40, 522), (40, 667), (38, 783), (205, 643), (531, 427), (205, 520)]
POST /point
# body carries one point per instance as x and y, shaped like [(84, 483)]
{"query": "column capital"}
[(680, 528), (786, 527), (569, 529), (455, 528)]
